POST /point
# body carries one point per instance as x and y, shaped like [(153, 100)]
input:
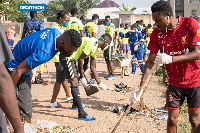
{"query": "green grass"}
[(184, 124), (18, 35)]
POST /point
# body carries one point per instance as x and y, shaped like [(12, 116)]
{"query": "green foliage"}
[(158, 72), (126, 8), (184, 124), (55, 6), (9, 9)]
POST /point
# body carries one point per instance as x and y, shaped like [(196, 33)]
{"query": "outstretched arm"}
[(93, 68)]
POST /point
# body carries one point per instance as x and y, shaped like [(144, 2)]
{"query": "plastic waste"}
[(46, 124), (29, 128), (162, 117)]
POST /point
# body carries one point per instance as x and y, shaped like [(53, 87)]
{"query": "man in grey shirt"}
[(7, 92)]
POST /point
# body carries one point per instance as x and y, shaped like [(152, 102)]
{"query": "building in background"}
[(186, 8), (109, 7)]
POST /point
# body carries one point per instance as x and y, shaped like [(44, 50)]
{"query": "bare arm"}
[(82, 34), (191, 56), (80, 63), (8, 100), (148, 65), (93, 69), (19, 70)]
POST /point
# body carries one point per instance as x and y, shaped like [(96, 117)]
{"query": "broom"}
[(140, 91)]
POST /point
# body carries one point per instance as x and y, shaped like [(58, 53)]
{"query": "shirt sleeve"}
[(94, 55), (41, 25), (153, 45), (140, 36), (80, 26), (194, 33), (25, 28), (121, 34), (87, 49), (95, 30), (37, 58), (127, 34)]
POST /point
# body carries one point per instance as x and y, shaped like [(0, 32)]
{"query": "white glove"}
[(136, 48), (133, 97), (163, 58), (103, 86), (83, 80)]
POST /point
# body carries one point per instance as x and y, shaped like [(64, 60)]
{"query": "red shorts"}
[(176, 96)]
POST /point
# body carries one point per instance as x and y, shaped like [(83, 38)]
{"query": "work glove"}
[(133, 96), (103, 86), (163, 58), (136, 48), (83, 81)]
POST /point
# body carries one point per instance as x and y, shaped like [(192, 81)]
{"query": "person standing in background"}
[(109, 28), (75, 23), (125, 41), (10, 35), (63, 17), (31, 26)]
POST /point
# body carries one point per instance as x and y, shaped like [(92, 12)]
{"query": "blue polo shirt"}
[(32, 23), (36, 48)]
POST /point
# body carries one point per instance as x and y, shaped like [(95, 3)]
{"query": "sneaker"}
[(132, 74), (126, 73), (69, 98), (55, 105), (92, 80), (107, 76), (111, 77)]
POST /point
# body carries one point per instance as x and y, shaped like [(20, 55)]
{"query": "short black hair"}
[(33, 14), (149, 25), (162, 7), (95, 16), (134, 25), (74, 11), (126, 24), (82, 17), (74, 37), (107, 37), (107, 17), (121, 25), (62, 13)]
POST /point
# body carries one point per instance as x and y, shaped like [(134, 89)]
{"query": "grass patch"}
[(18, 35), (184, 124)]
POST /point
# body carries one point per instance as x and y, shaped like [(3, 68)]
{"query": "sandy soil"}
[(99, 103)]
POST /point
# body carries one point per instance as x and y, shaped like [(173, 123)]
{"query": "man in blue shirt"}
[(33, 50), (33, 24)]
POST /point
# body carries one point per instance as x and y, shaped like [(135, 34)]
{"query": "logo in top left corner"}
[(31, 7)]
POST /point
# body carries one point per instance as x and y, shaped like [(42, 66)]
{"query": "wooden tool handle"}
[(140, 91), (146, 80)]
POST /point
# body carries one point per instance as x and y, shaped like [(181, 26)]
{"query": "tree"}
[(9, 9), (126, 8), (55, 6)]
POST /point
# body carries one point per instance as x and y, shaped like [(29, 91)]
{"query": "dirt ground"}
[(99, 103)]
